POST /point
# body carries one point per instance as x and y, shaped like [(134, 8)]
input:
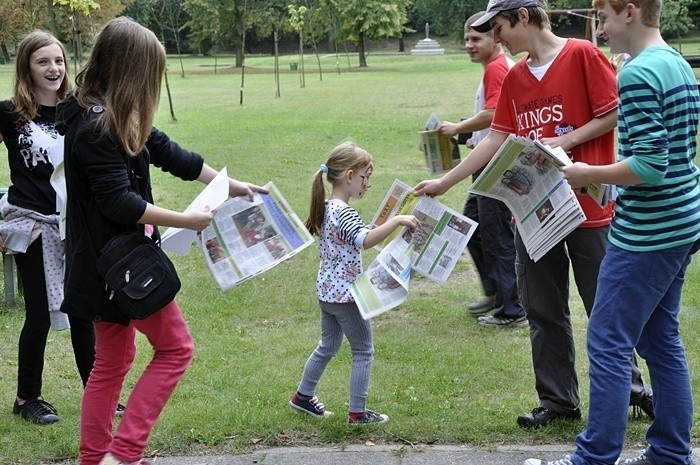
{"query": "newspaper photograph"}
[(432, 250), (384, 285), (543, 204), (247, 238)]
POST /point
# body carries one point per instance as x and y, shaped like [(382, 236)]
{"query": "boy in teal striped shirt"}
[(655, 232)]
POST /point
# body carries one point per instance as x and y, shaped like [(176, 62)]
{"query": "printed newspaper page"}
[(601, 193), (247, 238), (383, 285), (180, 240), (431, 250), (542, 202)]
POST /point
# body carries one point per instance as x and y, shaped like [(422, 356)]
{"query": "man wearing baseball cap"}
[(496, 6), (562, 93)]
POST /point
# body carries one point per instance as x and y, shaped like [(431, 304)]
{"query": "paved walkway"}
[(381, 455)]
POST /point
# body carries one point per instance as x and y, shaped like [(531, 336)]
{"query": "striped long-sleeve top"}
[(657, 129), (340, 247)]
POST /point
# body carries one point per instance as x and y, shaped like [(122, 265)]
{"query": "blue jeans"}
[(637, 305)]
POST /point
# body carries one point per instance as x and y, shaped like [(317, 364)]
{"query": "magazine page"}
[(247, 238), (534, 190), (436, 246)]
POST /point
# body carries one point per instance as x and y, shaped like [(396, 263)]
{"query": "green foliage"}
[(675, 19), (84, 7), (446, 17), (371, 19)]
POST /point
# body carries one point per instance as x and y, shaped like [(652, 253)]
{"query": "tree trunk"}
[(302, 77), (5, 52), (54, 22), (277, 66), (239, 54), (361, 50), (170, 96)]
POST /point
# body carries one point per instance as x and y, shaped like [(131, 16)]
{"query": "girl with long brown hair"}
[(110, 142)]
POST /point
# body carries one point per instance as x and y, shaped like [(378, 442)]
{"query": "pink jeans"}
[(115, 349)]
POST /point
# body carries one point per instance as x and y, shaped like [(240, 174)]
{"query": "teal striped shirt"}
[(657, 133)]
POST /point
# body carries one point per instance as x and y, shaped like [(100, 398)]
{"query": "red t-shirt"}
[(489, 89), (494, 73), (579, 85)]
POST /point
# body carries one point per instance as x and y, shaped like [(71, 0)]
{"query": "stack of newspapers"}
[(524, 174)]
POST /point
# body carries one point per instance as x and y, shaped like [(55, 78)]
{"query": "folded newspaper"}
[(431, 250), (524, 174), (601, 193), (441, 152)]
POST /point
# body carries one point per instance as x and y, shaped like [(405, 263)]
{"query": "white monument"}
[(427, 46)]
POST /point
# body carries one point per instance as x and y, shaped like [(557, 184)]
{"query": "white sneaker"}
[(641, 460), (566, 460)]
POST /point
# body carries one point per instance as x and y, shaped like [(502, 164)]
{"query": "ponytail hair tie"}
[(324, 168)]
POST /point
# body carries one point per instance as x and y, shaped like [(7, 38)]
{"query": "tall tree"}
[(675, 20), (371, 19), (223, 22)]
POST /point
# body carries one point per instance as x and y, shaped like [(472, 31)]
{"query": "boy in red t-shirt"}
[(563, 93)]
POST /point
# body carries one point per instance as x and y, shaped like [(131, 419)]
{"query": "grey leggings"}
[(338, 320)]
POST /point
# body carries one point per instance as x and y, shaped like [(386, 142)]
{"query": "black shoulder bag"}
[(138, 275)]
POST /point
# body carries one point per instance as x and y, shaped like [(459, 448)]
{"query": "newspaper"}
[(523, 175), (180, 240), (247, 238), (601, 193), (432, 250), (441, 152)]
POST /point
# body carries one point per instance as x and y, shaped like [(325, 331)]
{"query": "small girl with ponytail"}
[(342, 236)]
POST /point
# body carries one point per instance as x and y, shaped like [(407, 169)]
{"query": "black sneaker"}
[(541, 416), (310, 405), (120, 410), (486, 303), (642, 401), (37, 411)]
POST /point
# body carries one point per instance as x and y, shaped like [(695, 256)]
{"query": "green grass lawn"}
[(439, 376)]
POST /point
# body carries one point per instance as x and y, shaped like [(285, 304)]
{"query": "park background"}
[(441, 377)]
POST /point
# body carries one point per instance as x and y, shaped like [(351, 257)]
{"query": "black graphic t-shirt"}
[(32, 149)]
